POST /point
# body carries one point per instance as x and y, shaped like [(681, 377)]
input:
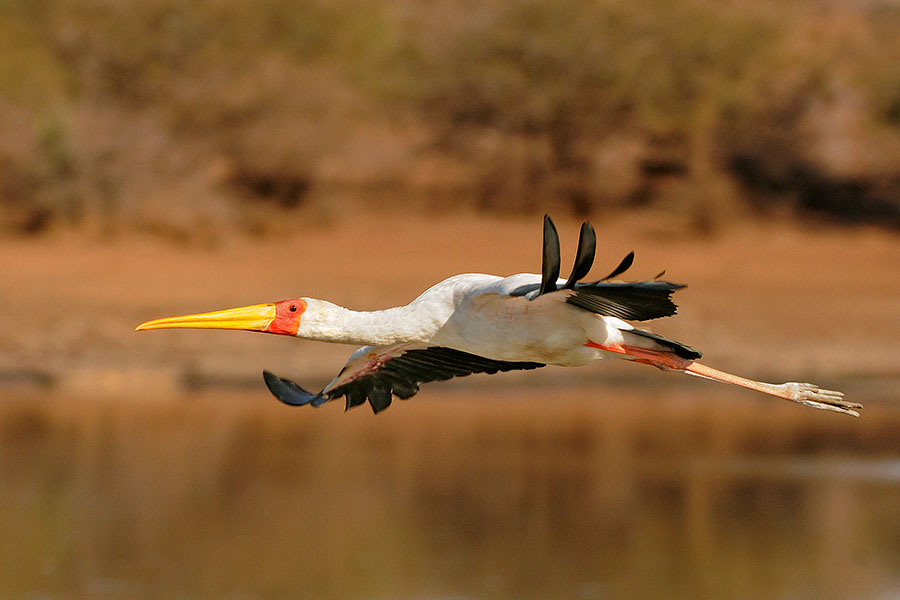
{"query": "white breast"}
[(488, 322)]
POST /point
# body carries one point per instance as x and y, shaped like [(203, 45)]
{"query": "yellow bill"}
[(257, 317)]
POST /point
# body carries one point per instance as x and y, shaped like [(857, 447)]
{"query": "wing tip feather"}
[(289, 392)]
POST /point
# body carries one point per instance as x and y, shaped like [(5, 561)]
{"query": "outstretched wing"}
[(631, 301), (377, 373)]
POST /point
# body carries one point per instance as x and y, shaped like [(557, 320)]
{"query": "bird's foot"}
[(814, 396)]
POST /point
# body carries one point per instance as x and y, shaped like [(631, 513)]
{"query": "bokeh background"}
[(164, 157)]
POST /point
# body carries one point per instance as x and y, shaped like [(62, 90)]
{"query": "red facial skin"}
[(287, 317)]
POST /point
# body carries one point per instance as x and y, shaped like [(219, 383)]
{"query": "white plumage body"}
[(476, 313)]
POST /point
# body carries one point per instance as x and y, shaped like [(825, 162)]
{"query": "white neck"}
[(329, 322)]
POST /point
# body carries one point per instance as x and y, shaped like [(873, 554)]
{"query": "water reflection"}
[(458, 495)]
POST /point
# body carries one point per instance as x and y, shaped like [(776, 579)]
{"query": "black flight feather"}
[(623, 266), (550, 262), (287, 391), (398, 376), (584, 257), (635, 301)]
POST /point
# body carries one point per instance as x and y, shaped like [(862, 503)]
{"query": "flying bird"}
[(476, 323)]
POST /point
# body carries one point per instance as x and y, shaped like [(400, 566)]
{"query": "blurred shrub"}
[(561, 80), (813, 130), (108, 107)]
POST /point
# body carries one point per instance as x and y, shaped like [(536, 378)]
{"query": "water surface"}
[(465, 492)]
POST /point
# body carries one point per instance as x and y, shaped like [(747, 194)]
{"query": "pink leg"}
[(802, 393)]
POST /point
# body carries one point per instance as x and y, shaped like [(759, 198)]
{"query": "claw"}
[(815, 397)]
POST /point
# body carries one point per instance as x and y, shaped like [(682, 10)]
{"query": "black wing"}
[(632, 301), (377, 373)]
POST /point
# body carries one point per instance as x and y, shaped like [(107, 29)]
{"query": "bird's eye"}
[(293, 308)]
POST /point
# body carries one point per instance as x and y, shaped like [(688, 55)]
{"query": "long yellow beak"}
[(253, 318)]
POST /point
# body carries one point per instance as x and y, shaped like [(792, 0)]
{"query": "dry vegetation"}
[(181, 118)]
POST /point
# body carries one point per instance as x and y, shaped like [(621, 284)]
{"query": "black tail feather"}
[(678, 348)]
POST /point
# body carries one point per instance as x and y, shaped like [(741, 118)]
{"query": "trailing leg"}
[(801, 393), (807, 394)]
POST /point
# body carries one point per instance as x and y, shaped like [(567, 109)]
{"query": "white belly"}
[(545, 330)]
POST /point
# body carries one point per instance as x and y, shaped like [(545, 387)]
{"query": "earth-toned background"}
[(160, 158)]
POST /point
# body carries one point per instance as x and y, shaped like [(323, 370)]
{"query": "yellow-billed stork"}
[(476, 323)]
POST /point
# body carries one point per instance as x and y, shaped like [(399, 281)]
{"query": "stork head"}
[(274, 317)]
